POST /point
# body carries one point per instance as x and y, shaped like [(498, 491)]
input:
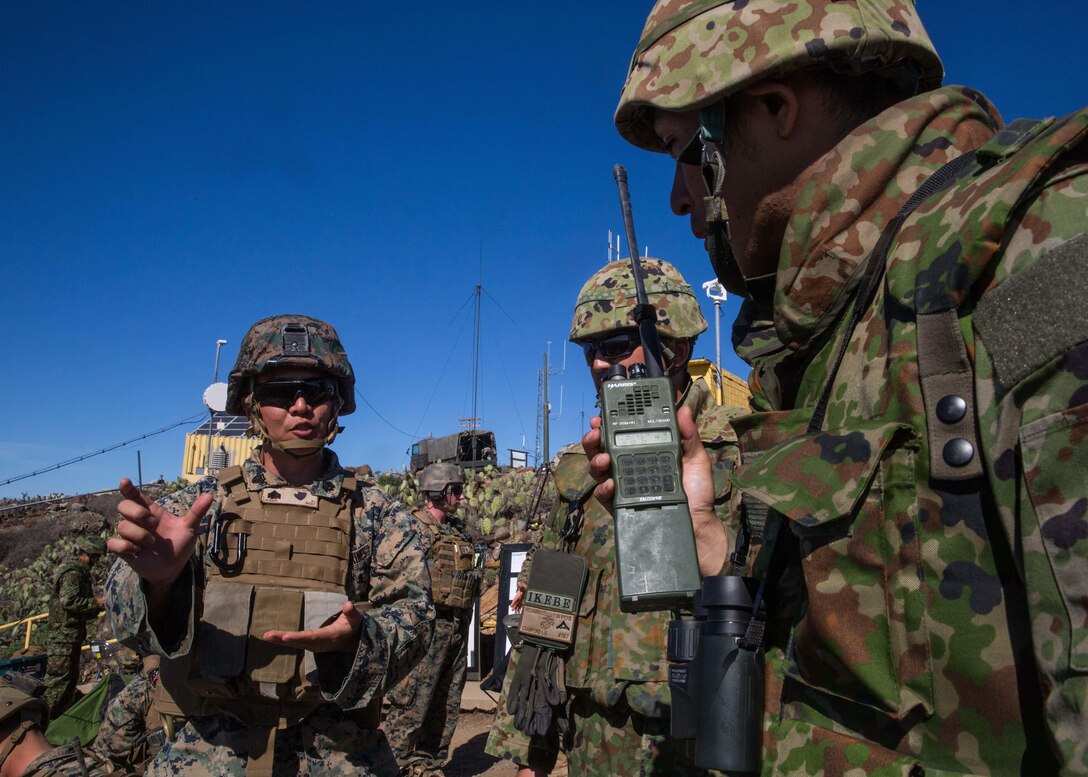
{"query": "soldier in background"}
[(285, 613), (131, 734), (74, 604), (616, 671), (424, 708), (24, 750), (923, 378)]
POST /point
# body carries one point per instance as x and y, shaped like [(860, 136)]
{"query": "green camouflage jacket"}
[(387, 568), (73, 604), (939, 515), (617, 655)]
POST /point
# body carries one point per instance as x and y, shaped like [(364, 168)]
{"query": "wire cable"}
[(383, 418), (85, 456)]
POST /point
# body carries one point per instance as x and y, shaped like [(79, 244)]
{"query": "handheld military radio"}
[(655, 544)]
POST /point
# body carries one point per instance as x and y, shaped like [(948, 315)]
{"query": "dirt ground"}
[(467, 751)]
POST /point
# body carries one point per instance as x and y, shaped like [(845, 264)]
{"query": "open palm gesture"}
[(153, 541)]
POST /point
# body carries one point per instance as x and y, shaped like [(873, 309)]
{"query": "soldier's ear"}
[(778, 105)]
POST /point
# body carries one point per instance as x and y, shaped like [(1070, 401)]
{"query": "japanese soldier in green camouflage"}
[(914, 275), (284, 596), (73, 606), (424, 707), (616, 671)]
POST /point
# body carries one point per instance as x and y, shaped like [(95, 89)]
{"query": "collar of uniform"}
[(695, 397), (857, 188), (327, 485)]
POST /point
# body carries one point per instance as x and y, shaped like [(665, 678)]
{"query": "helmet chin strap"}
[(295, 447), (718, 248)]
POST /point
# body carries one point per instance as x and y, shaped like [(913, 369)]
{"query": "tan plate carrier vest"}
[(454, 578), (292, 577)]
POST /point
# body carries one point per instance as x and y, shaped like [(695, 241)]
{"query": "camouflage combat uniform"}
[(22, 711), (425, 706), (616, 673), (128, 718), (915, 638), (929, 616), (387, 569), (72, 606)]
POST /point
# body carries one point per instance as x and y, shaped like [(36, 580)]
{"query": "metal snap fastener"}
[(958, 452), (951, 408)]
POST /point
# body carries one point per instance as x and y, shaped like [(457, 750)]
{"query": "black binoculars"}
[(716, 681)]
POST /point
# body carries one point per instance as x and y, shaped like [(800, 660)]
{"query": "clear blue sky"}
[(171, 172)]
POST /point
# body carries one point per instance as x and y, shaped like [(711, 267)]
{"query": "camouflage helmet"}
[(435, 477), (92, 545), (290, 340), (695, 52), (607, 301), (23, 696)]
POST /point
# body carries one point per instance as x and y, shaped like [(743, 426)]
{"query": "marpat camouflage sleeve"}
[(126, 606), (397, 630)]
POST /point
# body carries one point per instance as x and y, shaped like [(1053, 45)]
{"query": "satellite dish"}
[(215, 397)]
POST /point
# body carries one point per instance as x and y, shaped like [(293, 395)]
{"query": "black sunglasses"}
[(456, 489), (611, 348), (284, 393)]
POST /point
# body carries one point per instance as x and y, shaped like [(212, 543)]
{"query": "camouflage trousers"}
[(61, 675), (327, 743), (604, 741), (617, 741), (424, 707)]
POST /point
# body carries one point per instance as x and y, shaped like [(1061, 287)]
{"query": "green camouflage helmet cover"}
[(435, 477), (22, 698), (607, 301), (92, 545), (290, 340), (695, 52)]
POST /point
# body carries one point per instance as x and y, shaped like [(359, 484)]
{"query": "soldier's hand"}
[(342, 635), (153, 541), (519, 597), (697, 476), (599, 464)]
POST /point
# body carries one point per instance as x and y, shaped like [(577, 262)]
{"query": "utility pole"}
[(716, 292), (211, 410)]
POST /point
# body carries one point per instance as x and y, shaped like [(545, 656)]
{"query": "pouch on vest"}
[(555, 586)]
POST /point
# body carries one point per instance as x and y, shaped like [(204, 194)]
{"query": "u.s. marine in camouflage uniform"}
[(130, 733), (922, 377), (616, 671), (73, 605), (24, 750), (425, 706), (284, 596)]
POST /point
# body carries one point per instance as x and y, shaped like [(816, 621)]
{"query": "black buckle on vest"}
[(221, 550)]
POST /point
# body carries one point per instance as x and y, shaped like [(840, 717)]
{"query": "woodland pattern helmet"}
[(693, 53), (435, 477), (290, 340), (22, 698), (607, 301)]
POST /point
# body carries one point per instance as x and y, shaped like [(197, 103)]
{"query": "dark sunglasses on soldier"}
[(611, 348), (284, 393), (456, 489)]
